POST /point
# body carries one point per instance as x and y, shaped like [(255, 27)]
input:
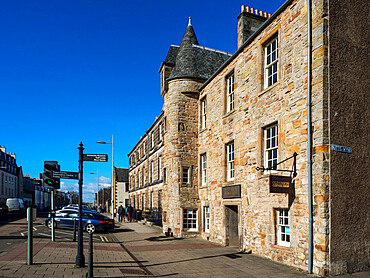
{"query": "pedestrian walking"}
[(129, 212), (120, 213)]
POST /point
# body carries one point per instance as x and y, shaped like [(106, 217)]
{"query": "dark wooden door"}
[(232, 228)]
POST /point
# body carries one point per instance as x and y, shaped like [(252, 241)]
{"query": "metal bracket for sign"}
[(294, 171)]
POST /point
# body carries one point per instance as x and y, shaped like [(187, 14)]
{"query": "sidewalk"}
[(136, 250)]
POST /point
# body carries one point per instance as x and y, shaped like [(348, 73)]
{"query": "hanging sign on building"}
[(280, 184), (231, 192)]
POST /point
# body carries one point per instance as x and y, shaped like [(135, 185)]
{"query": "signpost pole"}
[(52, 215), (30, 236), (80, 258)]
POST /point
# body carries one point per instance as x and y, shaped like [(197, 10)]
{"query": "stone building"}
[(256, 154), (146, 172), (9, 176)]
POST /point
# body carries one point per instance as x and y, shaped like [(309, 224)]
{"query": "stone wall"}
[(180, 150), (257, 107)]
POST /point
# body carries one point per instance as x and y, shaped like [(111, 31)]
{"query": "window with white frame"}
[(185, 174), (206, 219), (190, 220), (230, 93), (204, 113), (230, 161), (271, 146), (271, 63), (151, 199), (203, 162), (152, 141), (283, 227)]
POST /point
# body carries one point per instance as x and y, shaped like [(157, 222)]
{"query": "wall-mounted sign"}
[(231, 192), (341, 149), (280, 184)]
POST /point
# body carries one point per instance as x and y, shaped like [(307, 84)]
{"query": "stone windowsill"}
[(282, 248), (229, 113), (269, 88)]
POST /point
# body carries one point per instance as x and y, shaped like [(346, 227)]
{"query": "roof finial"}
[(189, 21)]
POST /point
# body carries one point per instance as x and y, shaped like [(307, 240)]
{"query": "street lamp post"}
[(97, 184), (113, 186)]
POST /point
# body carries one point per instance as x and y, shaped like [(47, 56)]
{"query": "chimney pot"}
[(252, 10), (247, 9), (261, 13), (243, 8), (265, 14)]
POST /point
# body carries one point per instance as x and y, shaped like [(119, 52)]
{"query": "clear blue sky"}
[(85, 70)]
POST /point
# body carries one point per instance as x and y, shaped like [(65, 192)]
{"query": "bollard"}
[(90, 270), (30, 237), (74, 230)]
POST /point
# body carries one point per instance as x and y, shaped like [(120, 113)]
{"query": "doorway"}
[(232, 226)]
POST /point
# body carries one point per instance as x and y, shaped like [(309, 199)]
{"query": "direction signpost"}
[(65, 175), (95, 157)]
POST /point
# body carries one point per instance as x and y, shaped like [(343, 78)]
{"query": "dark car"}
[(91, 222), (3, 208)]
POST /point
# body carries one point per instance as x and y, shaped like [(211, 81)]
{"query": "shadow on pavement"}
[(120, 231), (162, 238), (236, 255)]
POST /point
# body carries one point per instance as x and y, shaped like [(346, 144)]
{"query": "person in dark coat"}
[(129, 212), (120, 213)]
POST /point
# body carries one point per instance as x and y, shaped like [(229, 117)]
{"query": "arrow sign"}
[(95, 157), (65, 175)]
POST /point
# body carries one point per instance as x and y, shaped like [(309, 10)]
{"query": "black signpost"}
[(80, 258)]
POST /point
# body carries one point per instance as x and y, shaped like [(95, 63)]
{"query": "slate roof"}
[(194, 61), (121, 174)]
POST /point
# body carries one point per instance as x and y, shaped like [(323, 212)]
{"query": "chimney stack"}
[(249, 21)]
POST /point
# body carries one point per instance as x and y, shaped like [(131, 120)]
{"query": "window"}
[(159, 167), (190, 221), (206, 219), (152, 171), (152, 140), (151, 199), (283, 228), (271, 63), (203, 113), (160, 132), (185, 174), (230, 93), (230, 161), (271, 146), (203, 161)]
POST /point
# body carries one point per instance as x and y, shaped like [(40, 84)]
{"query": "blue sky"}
[(85, 70)]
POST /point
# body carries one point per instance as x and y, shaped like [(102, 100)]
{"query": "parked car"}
[(91, 222), (15, 204), (3, 208)]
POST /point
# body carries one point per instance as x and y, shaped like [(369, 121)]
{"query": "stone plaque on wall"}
[(231, 192)]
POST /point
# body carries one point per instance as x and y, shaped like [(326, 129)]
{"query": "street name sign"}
[(341, 149), (95, 157), (65, 175)]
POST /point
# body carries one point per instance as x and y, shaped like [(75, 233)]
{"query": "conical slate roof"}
[(194, 61)]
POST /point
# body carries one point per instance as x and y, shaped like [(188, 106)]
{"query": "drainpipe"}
[(309, 136)]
